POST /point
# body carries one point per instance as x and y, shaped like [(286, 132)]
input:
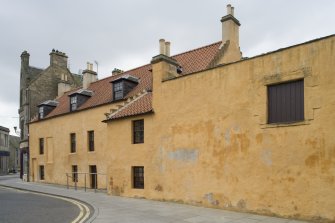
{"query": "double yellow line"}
[(84, 212)]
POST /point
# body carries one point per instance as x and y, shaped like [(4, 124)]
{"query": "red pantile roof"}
[(197, 59), (140, 106), (191, 61)]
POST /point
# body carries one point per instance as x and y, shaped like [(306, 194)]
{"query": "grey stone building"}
[(14, 154), (4, 150), (38, 85)]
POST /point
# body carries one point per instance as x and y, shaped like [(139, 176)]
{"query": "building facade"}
[(38, 85), (14, 154), (4, 150), (205, 127)]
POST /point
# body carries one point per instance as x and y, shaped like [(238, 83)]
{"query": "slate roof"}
[(191, 61), (34, 72)]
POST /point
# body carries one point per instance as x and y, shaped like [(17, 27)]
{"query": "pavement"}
[(109, 209)]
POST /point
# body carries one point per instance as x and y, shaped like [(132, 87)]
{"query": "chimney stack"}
[(25, 58), (58, 58), (24, 62), (89, 76), (230, 36), (116, 71), (63, 85)]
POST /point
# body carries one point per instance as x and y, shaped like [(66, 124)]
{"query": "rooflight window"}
[(73, 103)]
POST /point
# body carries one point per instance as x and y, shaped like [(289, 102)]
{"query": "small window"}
[(90, 140), (286, 102), (118, 90), (138, 131), (74, 173), (21, 96), (41, 172), (22, 129), (6, 140), (41, 112), (41, 146), (73, 103), (138, 177), (73, 142)]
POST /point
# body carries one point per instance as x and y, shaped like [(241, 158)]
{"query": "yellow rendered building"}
[(205, 127)]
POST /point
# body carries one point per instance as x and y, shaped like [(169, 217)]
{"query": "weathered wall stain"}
[(187, 155), (312, 160), (266, 157), (159, 188), (241, 204)]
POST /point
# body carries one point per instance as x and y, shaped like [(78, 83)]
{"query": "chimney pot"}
[(229, 11), (232, 11), (167, 48), (162, 46)]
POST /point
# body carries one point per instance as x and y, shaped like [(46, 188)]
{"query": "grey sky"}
[(125, 33)]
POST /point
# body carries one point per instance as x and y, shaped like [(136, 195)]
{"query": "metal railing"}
[(81, 178)]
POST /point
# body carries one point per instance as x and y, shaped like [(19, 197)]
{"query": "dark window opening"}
[(22, 129), (41, 172), (286, 102), (138, 131), (41, 146), (90, 140), (138, 177), (75, 173), (73, 142), (93, 176)]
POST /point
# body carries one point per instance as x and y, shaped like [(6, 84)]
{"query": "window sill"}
[(278, 125), (74, 153)]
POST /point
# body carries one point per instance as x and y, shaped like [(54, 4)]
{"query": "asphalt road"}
[(19, 206)]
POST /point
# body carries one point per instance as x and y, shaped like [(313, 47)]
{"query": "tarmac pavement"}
[(110, 209)]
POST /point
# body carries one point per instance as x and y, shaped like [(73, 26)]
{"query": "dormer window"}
[(73, 103), (78, 98), (45, 108), (123, 85)]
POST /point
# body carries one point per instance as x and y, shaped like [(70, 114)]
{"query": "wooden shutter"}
[(286, 102)]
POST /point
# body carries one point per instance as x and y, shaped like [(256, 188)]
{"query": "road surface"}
[(19, 206)]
